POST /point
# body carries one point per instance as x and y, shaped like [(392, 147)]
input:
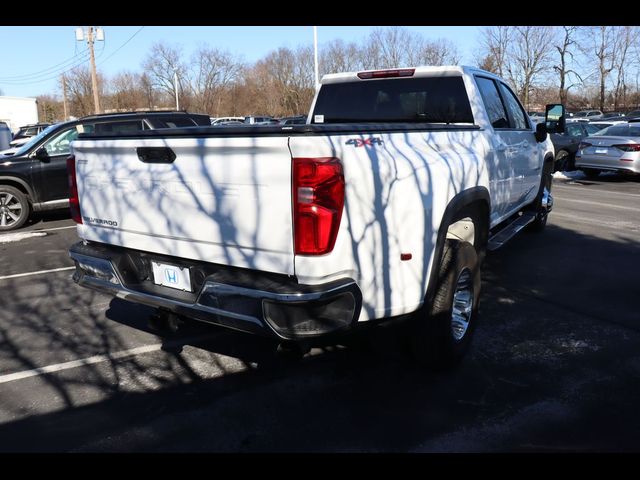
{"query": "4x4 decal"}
[(361, 142)]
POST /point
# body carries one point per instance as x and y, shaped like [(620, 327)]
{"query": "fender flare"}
[(456, 205), (22, 182)]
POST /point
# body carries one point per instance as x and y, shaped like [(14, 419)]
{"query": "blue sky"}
[(33, 57)]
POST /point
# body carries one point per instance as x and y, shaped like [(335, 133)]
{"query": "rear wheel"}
[(441, 332), (14, 208), (591, 172)]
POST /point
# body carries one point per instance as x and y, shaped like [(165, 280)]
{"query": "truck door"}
[(527, 160), (504, 181)]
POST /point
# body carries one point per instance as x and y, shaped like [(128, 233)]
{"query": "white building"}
[(18, 111)]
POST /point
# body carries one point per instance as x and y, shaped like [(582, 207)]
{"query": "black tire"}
[(432, 340), (546, 181), (591, 172), (563, 161), (13, 203)]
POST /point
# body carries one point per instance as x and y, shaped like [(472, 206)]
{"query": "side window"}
[(119, 127), (591, 129), (574, 130), (516, 112), (492, 102), (175, 122), (61, 143)]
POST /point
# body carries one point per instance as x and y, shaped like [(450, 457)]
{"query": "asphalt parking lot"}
[(555, 363)]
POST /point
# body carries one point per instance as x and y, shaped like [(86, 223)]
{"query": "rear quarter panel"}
[(396, 195)]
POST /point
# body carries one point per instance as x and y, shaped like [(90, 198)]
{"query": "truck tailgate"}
[(222, 200)]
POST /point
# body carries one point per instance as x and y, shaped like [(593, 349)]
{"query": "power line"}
[(121, 46), (54, 75), (50, 74), (46, 70)]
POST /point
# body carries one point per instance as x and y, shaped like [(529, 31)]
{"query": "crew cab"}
[(381, 207), (33, 177)]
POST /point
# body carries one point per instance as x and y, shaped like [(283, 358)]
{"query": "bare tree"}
[(601, 42), (148, 92), (433, 52), (564, 47), (161, 64), (49, 108), (338, 56), (80, 92), (213, 73), (494, 43), (126, 92), (627, 38), (389, 47), (528, 55)]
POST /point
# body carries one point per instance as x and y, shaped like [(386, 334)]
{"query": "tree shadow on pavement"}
[(554, 366)]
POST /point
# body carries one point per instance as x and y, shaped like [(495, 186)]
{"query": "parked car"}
[(616, 148), (588, 115), (33, 177), (259, 120), (601, 124), (633, 114), (566, 144), (331, 226), (297, 120), (229, 122), (5, 135), (23, 135), (612, 116), (219, 120)]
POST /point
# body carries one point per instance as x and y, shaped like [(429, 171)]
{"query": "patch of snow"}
[(16, 237), (575, 175)]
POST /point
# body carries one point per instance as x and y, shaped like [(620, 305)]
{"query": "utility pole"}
[(93, 34), (175, 85), (64, 95)]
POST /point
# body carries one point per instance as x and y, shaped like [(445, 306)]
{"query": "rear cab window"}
[(402, 100)]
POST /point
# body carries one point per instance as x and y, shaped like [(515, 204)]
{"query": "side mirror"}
[(541, 132), (42, 154), (555, 118)]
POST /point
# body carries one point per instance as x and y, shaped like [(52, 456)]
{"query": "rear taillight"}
[(583, 145), (404, 72), (74, 200), (629, 147), (318, 200)]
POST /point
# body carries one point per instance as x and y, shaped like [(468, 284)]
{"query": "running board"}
[(503, 236)]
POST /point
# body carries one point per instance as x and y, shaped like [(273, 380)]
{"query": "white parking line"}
[(604, 192), (79, 363), (52, 229), (599, 204), (40, 272)]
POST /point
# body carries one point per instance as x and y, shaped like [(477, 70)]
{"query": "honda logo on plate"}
[(171, 275)]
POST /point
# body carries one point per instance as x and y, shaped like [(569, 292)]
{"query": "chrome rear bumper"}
[(286, 311)]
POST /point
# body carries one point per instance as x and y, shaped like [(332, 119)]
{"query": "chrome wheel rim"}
[(462, 305), (10, 209)]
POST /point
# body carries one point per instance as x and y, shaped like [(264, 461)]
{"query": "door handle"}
[(155, 154)]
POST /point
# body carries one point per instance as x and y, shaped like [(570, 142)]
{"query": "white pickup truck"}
[(380, 207)]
